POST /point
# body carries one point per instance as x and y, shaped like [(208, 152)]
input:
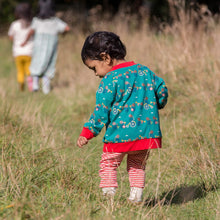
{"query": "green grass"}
[(44, 175)]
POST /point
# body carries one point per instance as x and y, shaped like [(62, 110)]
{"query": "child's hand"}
[(82, 141), (23, 44)]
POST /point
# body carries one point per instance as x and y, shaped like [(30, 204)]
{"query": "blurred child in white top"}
[(18, 32)]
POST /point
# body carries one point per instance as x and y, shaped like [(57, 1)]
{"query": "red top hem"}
[(143, 144)]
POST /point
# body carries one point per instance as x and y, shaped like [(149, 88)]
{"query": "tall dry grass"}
[(188, 59), (43, 174)]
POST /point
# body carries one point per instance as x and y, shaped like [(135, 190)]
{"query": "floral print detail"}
[(127, 103), (100, 90), (133, 124)]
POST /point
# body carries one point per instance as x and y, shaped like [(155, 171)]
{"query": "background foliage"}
[(157, 10)]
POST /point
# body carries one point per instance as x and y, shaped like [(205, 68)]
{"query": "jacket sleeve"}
[(105, 96), (87, 133), (161, 91)]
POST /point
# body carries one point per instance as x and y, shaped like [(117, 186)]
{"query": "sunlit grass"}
[(45, 176)]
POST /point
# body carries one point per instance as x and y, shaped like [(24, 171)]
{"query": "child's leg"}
[(35, 83), (20, 71), (136, 163), (46, 84), (27, 63), (108, 165), (30, 83)]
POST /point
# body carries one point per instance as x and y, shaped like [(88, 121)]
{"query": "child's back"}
[(52, 26), (18, 30), (45, 45), (133, 94)]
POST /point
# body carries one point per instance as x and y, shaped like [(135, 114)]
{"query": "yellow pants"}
[(22, 65)]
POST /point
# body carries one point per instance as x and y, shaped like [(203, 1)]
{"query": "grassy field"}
[(44, 175)]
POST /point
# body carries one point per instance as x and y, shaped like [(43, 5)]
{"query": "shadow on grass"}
[(180, 195)]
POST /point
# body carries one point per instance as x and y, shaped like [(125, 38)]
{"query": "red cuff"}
[(87, 133)]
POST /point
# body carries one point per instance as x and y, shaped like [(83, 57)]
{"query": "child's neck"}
[(116, 62)]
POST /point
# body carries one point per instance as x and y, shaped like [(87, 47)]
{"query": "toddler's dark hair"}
[(23, 11), (46, 9), (103, 42)]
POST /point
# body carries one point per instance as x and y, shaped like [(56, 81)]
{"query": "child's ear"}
[(105, 57)]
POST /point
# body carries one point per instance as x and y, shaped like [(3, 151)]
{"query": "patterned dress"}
[(45, 45)]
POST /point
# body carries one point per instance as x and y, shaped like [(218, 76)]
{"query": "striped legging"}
[(136, 162)]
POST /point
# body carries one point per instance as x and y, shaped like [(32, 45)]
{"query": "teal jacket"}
[(127, 103)]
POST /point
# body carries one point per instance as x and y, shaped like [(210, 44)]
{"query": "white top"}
[(19, 34), (51, 25)]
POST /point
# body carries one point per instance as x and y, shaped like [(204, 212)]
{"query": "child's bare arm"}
[(67, 28), (31, 32), (11, 37), (82, 141)]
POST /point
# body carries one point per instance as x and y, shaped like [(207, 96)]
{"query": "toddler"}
[(18, 32), (127, 103)]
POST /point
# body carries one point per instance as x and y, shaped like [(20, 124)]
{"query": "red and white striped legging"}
[(136, 162)]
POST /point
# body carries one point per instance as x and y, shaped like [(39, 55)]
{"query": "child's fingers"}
[(84, 142), (81, 141), (79, 144)]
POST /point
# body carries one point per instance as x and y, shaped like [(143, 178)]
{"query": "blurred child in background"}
[(127, 103), (45, 28), (18, 32)]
